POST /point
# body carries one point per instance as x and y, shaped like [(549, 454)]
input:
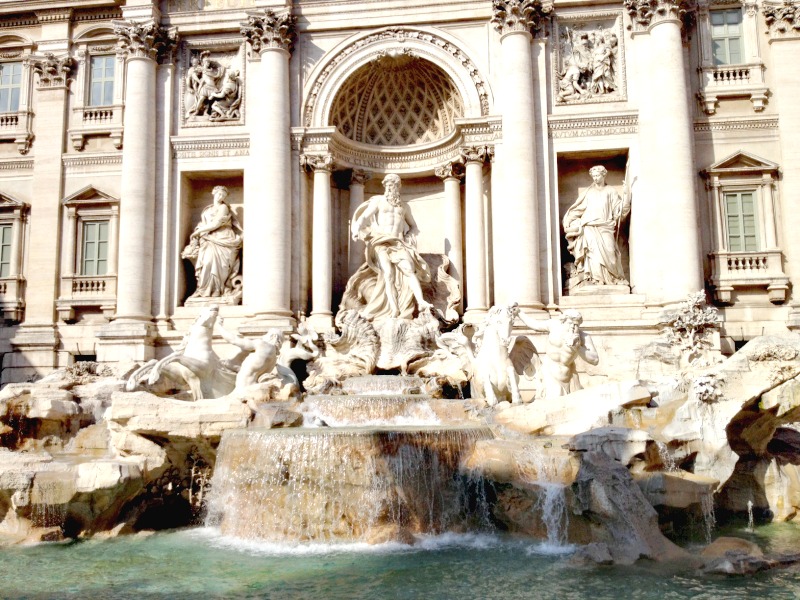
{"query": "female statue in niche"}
[(591, 226), (214, 248)]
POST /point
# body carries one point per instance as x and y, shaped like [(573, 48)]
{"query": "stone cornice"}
[(737, 124), (71, 162), (206, 148), (783, 20), (53, 71), (144, 39), (16, 165), (54, 15), (270, 30), (648, 13), (527, 16)]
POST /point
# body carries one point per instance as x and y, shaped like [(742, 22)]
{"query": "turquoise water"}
[(200, 564)]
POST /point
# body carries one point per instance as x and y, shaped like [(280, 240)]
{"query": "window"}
[(102, 81), (740, 212), (94, 258), (6, 236), (10, 86), (726, 36)]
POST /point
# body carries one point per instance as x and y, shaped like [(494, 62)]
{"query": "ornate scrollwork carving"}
[(645, 13), (145, 40), (319, 162), (530, 16), (450, 170), (359, 177), (270, 29), (53, 71), (783, 20), (474, 153)]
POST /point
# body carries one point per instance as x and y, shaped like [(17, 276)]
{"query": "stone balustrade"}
[(725, 81), (731, 270), (83, 291)]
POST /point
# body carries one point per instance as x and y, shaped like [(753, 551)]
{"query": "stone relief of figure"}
[(591, 226), (589, 66), (214, 90), (388, 285), (556, 374), (214, 248)]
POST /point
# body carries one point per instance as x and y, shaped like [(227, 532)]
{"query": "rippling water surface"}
[(200, 563)]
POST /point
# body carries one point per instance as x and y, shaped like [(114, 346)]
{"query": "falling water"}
[(666, 457), (46, 510), (552, 504), (709, 519), (344, 484), (370, 410), (750, 522)]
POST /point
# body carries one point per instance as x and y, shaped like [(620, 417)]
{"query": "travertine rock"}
[(576, 412), (620, 443)]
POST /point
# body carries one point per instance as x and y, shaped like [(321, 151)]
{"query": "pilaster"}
[(783, 22), (475, 227), (321, 243), (451, 174)]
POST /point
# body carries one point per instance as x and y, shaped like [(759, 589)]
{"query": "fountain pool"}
[(202, 563)]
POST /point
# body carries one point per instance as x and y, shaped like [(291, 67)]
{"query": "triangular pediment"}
[(9, 202), (89, 195), (742, 162)]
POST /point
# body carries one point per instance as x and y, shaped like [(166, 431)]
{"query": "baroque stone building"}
[(121, 119)]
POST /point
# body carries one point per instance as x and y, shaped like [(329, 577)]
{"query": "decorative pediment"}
[(10, 203), (89, 195), (742, 162)]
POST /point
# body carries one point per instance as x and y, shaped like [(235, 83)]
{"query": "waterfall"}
[(370, 410), (344, 484)]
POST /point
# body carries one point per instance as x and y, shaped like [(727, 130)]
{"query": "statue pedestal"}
[(589, 289), (213, 301)]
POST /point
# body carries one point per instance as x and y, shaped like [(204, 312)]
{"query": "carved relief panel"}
[(589, 59), (212, 83)]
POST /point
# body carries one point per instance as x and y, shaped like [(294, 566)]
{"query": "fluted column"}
[(784, 42), (356, 255), (321, 242), (664, 205), (451, 174), (141, 43), (516, 21), (268, 220), (475, 227)]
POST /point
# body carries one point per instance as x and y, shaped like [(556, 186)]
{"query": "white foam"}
[(423, 543)]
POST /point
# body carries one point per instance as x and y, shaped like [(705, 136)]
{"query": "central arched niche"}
[(397, 100)]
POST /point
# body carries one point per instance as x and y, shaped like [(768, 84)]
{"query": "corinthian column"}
[(141, 44), (516, 21), (451, 174), (321, 243), (356, 254), (784, 41), (267, 180), (476, 275), (664, 214)]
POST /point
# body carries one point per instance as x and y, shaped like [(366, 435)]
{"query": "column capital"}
[(474, 154), (317, 162), (144, 39), (645, 14), (53, 71), (269, 30), (783, 20), (450, 170), (359, 177), (520, 16)]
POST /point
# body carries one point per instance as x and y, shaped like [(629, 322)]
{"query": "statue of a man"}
[(591, 226), (557, 375), (388, 284)]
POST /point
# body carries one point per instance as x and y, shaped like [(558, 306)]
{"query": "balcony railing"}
[(731, 270), (12, 290), (96, 121), (730, 81), (84, 291)]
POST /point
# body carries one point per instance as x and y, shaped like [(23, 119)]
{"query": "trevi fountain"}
[(288, 356)]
